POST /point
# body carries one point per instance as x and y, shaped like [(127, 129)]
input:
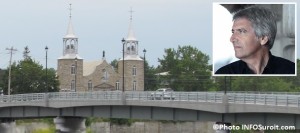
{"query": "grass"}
[(48, 130)]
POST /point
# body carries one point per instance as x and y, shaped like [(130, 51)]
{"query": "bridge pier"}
[(70, 124), (7, 126)]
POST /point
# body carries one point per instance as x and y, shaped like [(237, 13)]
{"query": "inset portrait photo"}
[(254, 39)]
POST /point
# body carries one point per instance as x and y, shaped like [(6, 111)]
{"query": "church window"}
[(73, 69), (105, 74), (134, 86), (117, 85), (134, 71), (73, 85), (90, 85)]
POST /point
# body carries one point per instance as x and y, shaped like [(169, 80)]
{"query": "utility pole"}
[(11, 50)]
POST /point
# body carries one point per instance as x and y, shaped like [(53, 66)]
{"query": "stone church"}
[(75, 74)]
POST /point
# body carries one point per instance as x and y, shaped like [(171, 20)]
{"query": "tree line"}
[(184, 68), (188, 70), (28, 76)]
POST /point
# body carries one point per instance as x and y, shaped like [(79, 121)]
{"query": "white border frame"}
[(296, 40)]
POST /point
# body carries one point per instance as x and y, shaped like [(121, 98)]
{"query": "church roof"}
[(70, 31), (132, 57), (70, 56), (90, 67), (131, 35)]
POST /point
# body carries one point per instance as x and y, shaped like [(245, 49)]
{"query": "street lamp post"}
[(227, 84), (145, 87), (46, 49), (21, 70), (123, 78), (75, 89)]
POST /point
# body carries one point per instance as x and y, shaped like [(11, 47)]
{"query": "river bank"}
[(135, 127)]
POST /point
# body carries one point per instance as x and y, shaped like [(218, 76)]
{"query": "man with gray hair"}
[(253, 35)]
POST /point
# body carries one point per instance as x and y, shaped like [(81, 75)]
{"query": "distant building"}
[(75, 74)]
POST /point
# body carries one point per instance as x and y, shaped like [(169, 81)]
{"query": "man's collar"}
[(270, 63)]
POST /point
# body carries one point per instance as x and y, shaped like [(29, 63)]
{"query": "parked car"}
[(163, 93)]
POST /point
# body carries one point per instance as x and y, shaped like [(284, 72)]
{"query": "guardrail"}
[(264, 99), (99, 95), (290, 100), (23, 97)]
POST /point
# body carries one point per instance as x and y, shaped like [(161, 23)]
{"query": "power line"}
[(11, 50)]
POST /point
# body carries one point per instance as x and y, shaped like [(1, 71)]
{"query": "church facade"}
[(75, 74)]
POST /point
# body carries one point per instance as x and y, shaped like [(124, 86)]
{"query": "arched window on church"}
[(73, 69), (72, 46), (105, 75), (118, 85), (90, 85), (128, 50), (134, 86), (68, 46), (134, 71)]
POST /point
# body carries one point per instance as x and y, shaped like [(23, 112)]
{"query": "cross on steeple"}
[(70, 10), (131, 12)]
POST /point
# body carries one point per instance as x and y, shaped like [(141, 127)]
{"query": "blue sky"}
[(101, 24)]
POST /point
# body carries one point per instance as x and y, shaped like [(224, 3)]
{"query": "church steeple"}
[(131, 35), (70, 32), (131, 43), (70, 41)]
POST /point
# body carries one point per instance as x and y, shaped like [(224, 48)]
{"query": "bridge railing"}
[(175, 96), (264, 92), (22, 97), (264, 99), (103, 95), (215, 97)]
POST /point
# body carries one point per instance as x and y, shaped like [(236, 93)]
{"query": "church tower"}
[(70, 65), (133, 64)]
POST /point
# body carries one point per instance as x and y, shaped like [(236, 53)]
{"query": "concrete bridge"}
[(235, 107)]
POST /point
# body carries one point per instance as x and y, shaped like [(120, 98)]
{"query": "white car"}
[(163, 93)]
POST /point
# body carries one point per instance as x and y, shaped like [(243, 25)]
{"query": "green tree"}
[(27, 76), (188, 69), (295, 80), (260, 84), (26, 53), (151, 80), (114, 63)]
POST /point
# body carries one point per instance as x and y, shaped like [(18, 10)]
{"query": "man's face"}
[(243, 38)]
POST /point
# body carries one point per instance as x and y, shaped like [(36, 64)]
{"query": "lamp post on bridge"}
[(46, 49), (227, 84), (145, 83), (75, 89), (123, 77)]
